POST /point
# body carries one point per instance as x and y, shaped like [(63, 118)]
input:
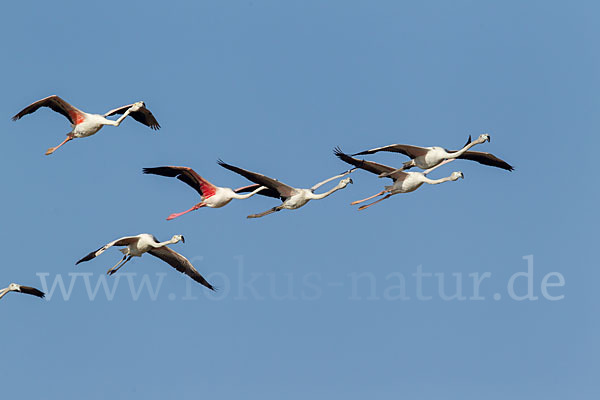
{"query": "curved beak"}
[(182, 239), (351, 180), (462, 175)]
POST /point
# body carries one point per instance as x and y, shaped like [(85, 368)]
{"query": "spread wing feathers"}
[(362, 164), (31, 290), (408, 150), (53, 102), (186, 175), (143, 115), (124, 241), (486, 159), (281, 188), (265, 192), (180, 263)]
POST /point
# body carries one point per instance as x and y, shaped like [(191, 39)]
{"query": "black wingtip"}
[(468, 141), (88, 257)]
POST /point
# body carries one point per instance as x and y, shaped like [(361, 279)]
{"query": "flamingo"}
[(84, 124), (13, 287), (211, 195), (429, 157), (404, 182), (145, 243), (292, 198)]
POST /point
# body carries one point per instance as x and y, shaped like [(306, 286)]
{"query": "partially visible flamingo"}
[(84, 124), (211, 195), (404, 182), (13, 287), (292, 198), (145, 243), (429, 157)]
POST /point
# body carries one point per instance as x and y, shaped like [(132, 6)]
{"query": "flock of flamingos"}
[(84, 124)]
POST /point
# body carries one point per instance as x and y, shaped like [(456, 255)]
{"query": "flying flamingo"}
[(145, 243), (13, 287), (84, 124), (292, 198), (211, 195), (404, 182), (429, 157)]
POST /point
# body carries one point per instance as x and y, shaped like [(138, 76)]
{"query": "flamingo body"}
[(298, 199), (403, 181), (211, 196), (433, 157), (292, 198), (410, 183), (87, 125), (430, 157), (143, 243), (84, 124)]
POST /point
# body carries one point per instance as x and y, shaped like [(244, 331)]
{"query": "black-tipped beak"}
[(182, 239), (462, 176), (351, 180)]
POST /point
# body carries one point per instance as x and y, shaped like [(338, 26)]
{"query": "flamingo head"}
[(456, 175), (14, 287), (137, 106), (178, 238), (484, 137), (344, 182)]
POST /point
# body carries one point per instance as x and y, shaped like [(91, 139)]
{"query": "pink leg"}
[(375, 202), (368, 198), (173, 216), (53, 149)]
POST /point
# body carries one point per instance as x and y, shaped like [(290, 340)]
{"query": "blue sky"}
[(307, 305)]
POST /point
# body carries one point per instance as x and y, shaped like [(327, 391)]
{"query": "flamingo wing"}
[(143, 115), (186, 175), (406, 149), (486, 159), (180, 263), (55, 103), (32, 291), (273, 184), (124, 241), (370, 166)]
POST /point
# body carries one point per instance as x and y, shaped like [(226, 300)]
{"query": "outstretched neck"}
[(247, 195), (118, 121), (313, 196), (460, 152), (436, 181), (168, 242)]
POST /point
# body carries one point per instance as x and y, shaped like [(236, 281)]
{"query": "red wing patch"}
[(77, 117), (208, 190)]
